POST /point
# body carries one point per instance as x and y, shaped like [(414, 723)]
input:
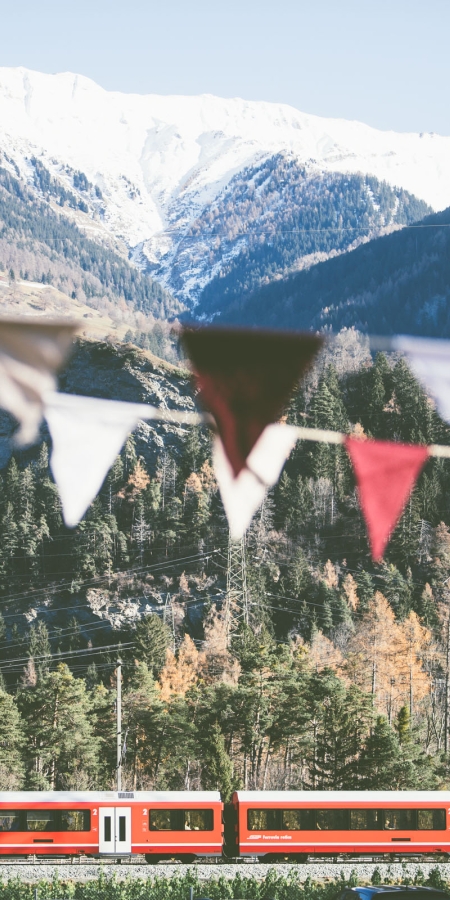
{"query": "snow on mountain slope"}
[(160, 161)]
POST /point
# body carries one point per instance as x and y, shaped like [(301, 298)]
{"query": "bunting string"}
[(140, 411), (337, 437), (146, 413)]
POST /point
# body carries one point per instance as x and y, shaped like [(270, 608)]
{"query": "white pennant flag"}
[(429, 359), (31, 352), (87, 435), (241, 496)]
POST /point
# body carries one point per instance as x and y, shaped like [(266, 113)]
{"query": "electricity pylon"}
[(236, 608)]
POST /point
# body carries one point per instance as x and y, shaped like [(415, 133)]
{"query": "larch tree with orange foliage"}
[(384, 657), (180, 671)]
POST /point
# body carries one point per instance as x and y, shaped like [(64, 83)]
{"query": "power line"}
[(165, 564), (300, 231), (94, 651)]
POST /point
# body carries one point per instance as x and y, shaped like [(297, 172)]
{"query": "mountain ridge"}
[(160, 162), (398, 283)]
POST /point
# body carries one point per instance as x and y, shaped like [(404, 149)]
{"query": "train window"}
[(431, 819), (399, 819), (161, 820), (198, 820), (365, 819), (181, 820), (41, 820), (264, 819), (75, 820), (298, 819), (10, 820), (331, 819)]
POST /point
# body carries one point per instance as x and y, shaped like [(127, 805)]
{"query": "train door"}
[(115, 829)]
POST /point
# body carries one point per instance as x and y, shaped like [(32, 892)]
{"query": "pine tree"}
[(382, 765), (217, 768), (39, 647), (152, 639), (403, 725), (143, 724), (11, 745), (61, 751)]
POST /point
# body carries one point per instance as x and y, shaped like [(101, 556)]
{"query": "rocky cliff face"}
[(122, 372)]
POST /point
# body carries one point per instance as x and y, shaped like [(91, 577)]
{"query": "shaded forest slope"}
[(398, 283)]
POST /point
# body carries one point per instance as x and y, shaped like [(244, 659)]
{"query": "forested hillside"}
[(398, 283), (38, 242), (335, 672), (280, 217)]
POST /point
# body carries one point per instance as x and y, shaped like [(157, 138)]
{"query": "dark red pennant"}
[(245, 378), (385, 473)]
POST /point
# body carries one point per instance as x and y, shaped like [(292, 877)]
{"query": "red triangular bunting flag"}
[(385, 473), (245, 378)]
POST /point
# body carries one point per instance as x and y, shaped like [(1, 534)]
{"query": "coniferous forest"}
[(321, 671)]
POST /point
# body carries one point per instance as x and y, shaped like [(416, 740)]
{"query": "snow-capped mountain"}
[(160, 163)]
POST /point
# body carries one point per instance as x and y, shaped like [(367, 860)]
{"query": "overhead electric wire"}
[(109, 576), (59, 634), (67, 654), (396, 226)]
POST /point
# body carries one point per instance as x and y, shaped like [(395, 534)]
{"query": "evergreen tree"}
[(39, 648), (11, 745), (144, 723), (382, 765), (152, 638), (217, 768), (61, 751)]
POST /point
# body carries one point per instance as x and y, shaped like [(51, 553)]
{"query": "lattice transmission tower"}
[(236, 607)]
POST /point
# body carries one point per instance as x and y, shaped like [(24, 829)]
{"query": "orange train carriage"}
[(264, 825), (301, 824), (159, 824)]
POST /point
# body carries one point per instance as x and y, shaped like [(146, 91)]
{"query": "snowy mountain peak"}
[(159, 161)]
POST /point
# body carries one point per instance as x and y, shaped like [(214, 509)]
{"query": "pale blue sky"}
[(384, 62)]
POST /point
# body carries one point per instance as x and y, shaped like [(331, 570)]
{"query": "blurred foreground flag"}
[(245, 378), (31, 352), (243, 494), (87, 435), (385, 473), (429, 359)]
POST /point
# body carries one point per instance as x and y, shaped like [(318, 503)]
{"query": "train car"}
[(159, 824), (272, 825)]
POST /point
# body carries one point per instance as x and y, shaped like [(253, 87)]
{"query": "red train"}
[(185, 825)]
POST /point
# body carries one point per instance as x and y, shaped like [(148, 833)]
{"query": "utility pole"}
[(119, 724)]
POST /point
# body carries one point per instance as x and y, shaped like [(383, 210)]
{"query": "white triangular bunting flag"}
[(87, 435), (429, 359), (241, 496), (31, 351)]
